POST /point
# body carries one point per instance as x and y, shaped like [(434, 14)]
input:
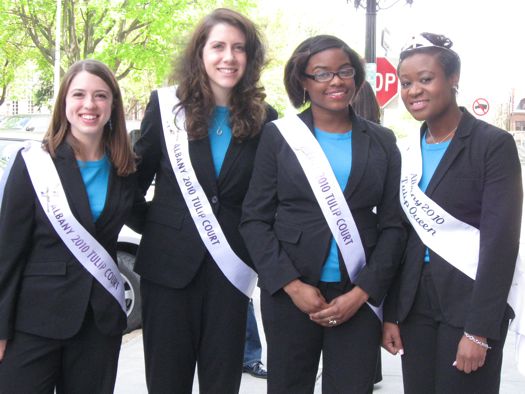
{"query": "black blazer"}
[(478, 181), (44, 290), (283, 225), (171, 250)]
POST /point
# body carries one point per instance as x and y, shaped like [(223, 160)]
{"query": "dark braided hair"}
[(440, 47)]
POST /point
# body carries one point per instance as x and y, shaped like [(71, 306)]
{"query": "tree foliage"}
[(136, 38)]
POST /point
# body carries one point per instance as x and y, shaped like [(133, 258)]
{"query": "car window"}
[(14, 122), (34, 123)]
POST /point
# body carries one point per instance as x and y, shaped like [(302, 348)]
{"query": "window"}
[(520, 125)]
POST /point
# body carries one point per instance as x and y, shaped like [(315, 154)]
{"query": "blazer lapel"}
[(360, 149), (74, 186), (112, 197), (201, 159), (234, 149), (456, 146)]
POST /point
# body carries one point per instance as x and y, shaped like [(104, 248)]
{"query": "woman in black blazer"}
[(59, 327), (192, 313), (308, 302), (451, 325)]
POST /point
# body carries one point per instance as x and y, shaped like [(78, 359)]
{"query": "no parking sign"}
[(480, 106)]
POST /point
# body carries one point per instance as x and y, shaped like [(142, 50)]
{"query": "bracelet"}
[(477, 341)]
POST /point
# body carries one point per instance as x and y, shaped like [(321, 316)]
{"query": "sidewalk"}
[(130, 377)]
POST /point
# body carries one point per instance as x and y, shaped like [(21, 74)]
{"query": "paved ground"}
[(130, 378)]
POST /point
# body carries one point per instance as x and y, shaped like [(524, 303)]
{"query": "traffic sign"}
[(480, 106), (386, 81)]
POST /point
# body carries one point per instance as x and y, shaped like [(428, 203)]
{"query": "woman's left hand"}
[(470, 356), (341, 308)]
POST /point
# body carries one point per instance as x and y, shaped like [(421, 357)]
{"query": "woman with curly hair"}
[(198, 140)]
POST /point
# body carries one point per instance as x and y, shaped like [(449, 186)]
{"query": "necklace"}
[(442, 139), (219, 131)]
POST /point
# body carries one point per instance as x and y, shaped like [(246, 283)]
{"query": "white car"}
[(34, 123), (128, 240)]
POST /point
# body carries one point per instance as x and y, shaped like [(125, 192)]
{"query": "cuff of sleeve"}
[(367, 281)]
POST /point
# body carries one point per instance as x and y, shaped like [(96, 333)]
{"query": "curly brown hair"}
[(247, 107)]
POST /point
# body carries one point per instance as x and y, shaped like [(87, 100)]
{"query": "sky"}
[(488, 36)]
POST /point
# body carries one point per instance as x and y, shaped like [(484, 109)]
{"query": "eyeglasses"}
[(327, 76)]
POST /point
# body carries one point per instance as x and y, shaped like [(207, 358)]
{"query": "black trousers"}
[(430, 347), (84, 364), (295, 344), (204, 324)]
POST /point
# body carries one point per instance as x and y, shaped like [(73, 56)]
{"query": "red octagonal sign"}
[(386, 81)]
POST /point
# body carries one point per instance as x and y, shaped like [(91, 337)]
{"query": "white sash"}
[(328, 194), (455, 241), (86, 249), (238, 272)]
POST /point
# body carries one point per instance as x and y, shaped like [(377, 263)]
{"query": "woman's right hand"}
[(306, 297), (3, 344), (392, 338)]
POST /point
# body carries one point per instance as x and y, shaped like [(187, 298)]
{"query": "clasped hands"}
[(309, 300)]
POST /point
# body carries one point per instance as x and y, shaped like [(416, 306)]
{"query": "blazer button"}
[(214, 200)]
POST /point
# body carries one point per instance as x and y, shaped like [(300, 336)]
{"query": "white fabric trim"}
[(237, 271), (86, 249), (455, 241), (328, 194)]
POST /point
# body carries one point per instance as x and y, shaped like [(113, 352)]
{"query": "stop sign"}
[(386, 81)]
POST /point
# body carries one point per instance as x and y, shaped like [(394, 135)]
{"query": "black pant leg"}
[(350, 354), (89, 361), (223, 332), (294, 345), (419, 333), (31, 365), (170, 334)]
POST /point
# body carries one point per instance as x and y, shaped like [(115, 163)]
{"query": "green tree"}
[(15, 50), (136, 38)]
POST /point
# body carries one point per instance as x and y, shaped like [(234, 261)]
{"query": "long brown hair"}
[(247, 107), (114, 138)]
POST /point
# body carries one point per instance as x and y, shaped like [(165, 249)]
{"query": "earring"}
[(110, 126), (304, 95), (455, 89)]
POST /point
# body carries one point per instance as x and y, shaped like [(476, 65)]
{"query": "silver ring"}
[(332, 322)]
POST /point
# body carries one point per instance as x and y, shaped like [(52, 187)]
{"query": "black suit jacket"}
[(171, 250), (283, 225), (478, 181), (44, 290)]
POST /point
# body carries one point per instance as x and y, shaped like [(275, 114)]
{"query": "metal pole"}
[(56, 81), (370, 48)]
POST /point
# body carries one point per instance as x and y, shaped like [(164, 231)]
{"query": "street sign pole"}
[(370, 48)]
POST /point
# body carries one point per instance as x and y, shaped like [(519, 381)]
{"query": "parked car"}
[(128, 240), (36, 123)]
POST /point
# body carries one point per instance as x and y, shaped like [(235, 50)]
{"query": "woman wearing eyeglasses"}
[(323, 225), (461, 190)]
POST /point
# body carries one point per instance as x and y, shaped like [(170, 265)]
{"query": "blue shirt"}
[(431, 154), (95, 175), (220, 135), (338, 150)]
